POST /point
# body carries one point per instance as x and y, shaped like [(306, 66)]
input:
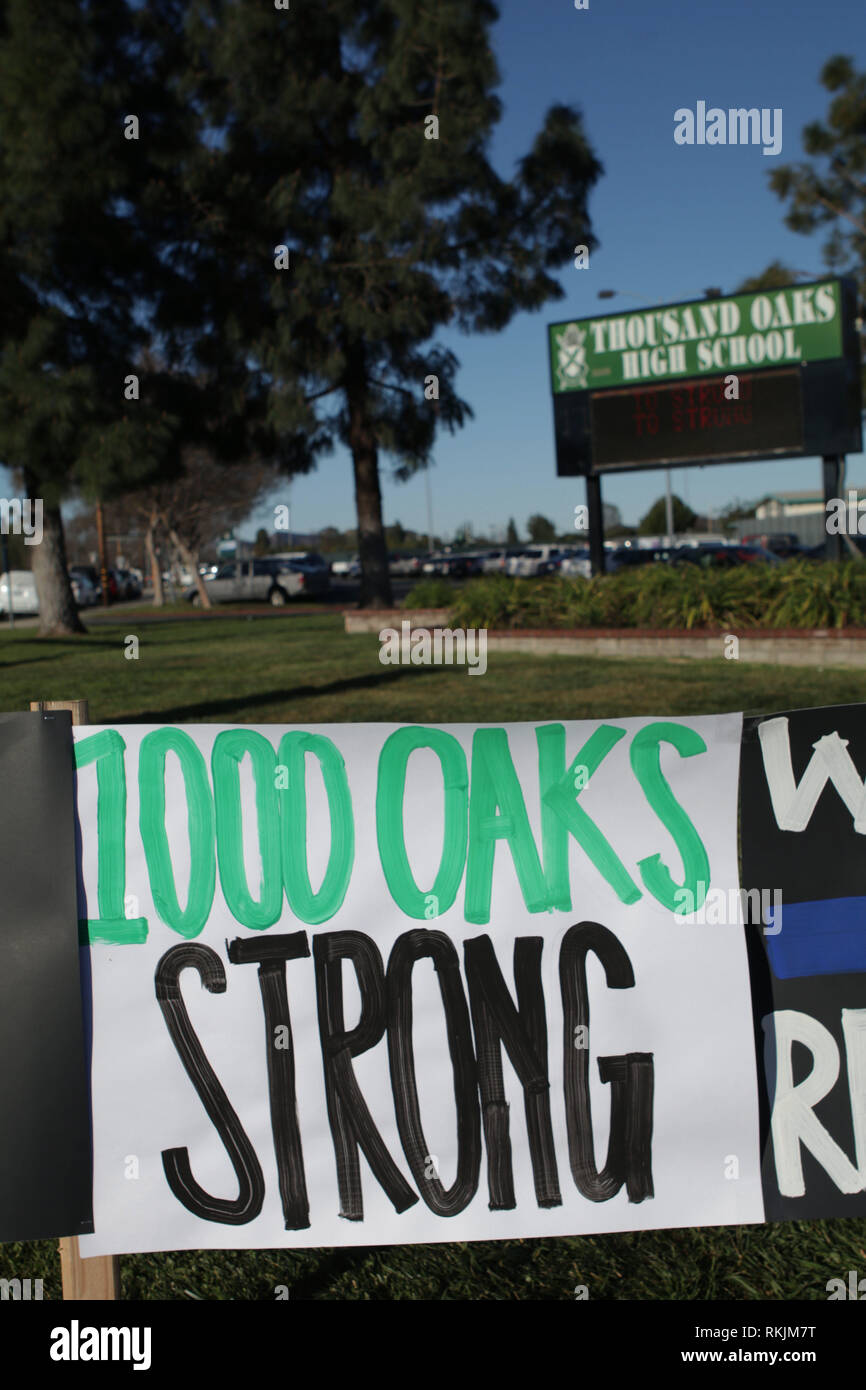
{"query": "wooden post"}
[(97, 1278)]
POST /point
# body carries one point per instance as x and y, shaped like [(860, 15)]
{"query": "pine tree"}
[(345, 183), (114, 363), (71, 265)]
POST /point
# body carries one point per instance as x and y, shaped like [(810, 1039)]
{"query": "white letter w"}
[(793, 804)]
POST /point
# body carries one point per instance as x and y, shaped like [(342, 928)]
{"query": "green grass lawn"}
[(303, 669)]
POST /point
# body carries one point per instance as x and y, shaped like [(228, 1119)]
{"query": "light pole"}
[(429, 510)]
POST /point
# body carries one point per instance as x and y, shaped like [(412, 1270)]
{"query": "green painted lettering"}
[(189, 921), (106, 749), (229, 750), (645, 762), (390, 792), (495, 786), (562, 798), (309, 906)]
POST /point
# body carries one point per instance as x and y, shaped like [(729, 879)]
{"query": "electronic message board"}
[(692, 421), (755, 376)]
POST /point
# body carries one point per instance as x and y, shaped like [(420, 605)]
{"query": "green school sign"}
[(785, 327), (754, 376)]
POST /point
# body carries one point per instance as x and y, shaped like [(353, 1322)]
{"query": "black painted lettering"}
[(523, 1030), (351, 1122), (248, 1203)]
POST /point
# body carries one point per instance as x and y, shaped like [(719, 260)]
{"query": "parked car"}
[(453, 564), (126, 585), (349, 569), (25, 600), (272, 579), (180, 577), (534, 560), (404, 564), (725, 556), (84, 591), (90, 575), (819, 551), (492, 561), (310, 559), (577, 564), (632, 556)]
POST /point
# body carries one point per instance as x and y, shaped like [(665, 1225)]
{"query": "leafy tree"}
[(196, 505), (330, 539), (655, 521), (262, 543), (540, 529), (829, 191), (355, 136), (511, 536), (774, 277)]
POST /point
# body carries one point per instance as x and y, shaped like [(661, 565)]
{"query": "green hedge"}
[(434, 592), (798, 594)]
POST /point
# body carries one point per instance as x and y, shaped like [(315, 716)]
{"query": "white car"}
[(25, 600), (535, 559), (577, 565)]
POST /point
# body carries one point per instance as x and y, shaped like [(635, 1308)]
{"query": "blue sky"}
[(670, 221)]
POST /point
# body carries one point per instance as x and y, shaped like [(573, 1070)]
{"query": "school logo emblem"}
[(571, 355)]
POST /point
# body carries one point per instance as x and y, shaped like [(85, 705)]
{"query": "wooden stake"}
[(97, 1278)]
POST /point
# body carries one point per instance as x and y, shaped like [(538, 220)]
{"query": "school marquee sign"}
[(780, 369)]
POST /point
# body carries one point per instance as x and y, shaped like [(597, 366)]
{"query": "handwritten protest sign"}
[(372, 984), (804, 821)]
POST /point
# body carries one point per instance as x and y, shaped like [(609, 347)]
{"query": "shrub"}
[(798, 594), (430, 593)]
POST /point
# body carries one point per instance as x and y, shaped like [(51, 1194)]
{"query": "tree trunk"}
[(375, 580), (190, 559), (58, 616), (153, 561)]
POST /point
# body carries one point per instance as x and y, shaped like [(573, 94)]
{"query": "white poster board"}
[(578, 833)]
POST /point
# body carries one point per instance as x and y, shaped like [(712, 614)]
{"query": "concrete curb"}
[(774, 647)]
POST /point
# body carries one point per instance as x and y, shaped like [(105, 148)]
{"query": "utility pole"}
[(103, 566), (429, 510), (669, 508)]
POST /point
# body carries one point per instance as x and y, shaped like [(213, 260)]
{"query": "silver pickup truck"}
[(270, 579)]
